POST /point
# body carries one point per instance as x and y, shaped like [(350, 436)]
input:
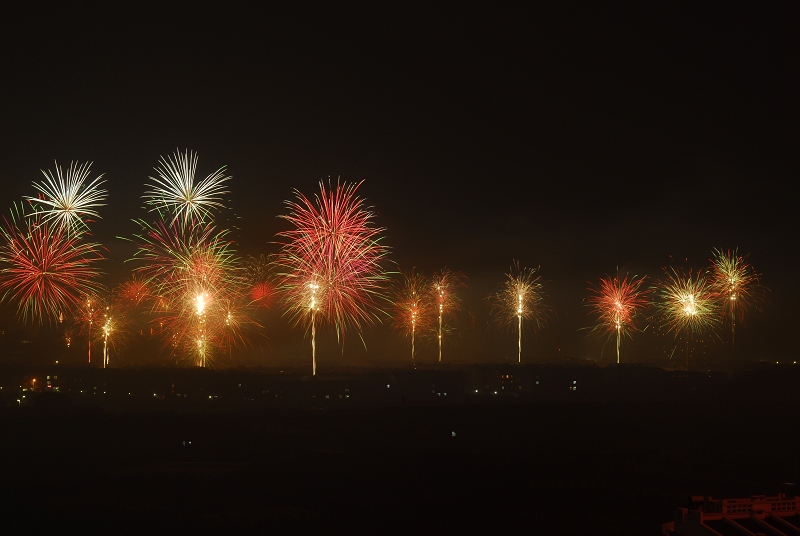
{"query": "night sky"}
[(576, 140)]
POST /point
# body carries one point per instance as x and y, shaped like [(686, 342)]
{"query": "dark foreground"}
[(543, 465)]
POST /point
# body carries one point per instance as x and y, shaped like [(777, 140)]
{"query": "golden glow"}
[(313, 305), (200, 301), (689, 307)]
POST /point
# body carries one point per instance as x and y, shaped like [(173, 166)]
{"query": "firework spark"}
[(70, 198), (617, 304), (521, 298), (444, 290), (736, 284), (44, 268), (688, 305), (174, 187), (329, 265), (411, 313)]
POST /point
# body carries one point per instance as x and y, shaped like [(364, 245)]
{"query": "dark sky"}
[(577, 140)]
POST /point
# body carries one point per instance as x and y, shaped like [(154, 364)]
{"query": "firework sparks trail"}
[(112, 318), (45, 268), (70, 199), (443, 287), (617, 304), (175, 190), (736, 283), (410, 306), (521, 298), (688, 305), (86, 316), (329, 267)]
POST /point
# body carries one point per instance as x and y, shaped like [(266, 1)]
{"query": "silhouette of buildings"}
[(760, 514)]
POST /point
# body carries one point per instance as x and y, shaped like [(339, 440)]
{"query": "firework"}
[(134, 291), (688, 305), (70, 198), (329, 265), (178, 257), (521, 298), (410, 308), (45, 268), (617, 304), (196, 278), (261, 294), (736, 284), (258, 277), (174, 187), (87, 316), (117, 323), (444, 290)]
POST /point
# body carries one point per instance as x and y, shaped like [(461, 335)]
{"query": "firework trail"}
[(70, 199), (444, 290), (617, 304), (329, 265), (116, 322), (411, 312), (688, 305), (175, 190), (521, 298), (45, 268), (88, 316), (736, 284)]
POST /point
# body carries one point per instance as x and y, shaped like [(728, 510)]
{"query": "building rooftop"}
[(776, 515)]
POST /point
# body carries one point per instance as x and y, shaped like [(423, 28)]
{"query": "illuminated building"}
[(773, 516)]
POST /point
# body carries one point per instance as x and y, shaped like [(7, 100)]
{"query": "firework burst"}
[(329, 266), (736, 284), (411, 313), (688, 305), (196, 279), (70, 199), (521, 298), (259, 278), (134, 291), (443, 288), (617, 303), (175, 190), (45, 268)]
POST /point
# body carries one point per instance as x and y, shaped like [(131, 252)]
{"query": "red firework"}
[(330, 261), (134, 291), (46, 270), (261, 294), (616, 303)]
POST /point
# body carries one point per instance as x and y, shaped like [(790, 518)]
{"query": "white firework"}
[(175, 189), (70, 199)]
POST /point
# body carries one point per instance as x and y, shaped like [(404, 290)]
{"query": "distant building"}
[(759, 514)]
